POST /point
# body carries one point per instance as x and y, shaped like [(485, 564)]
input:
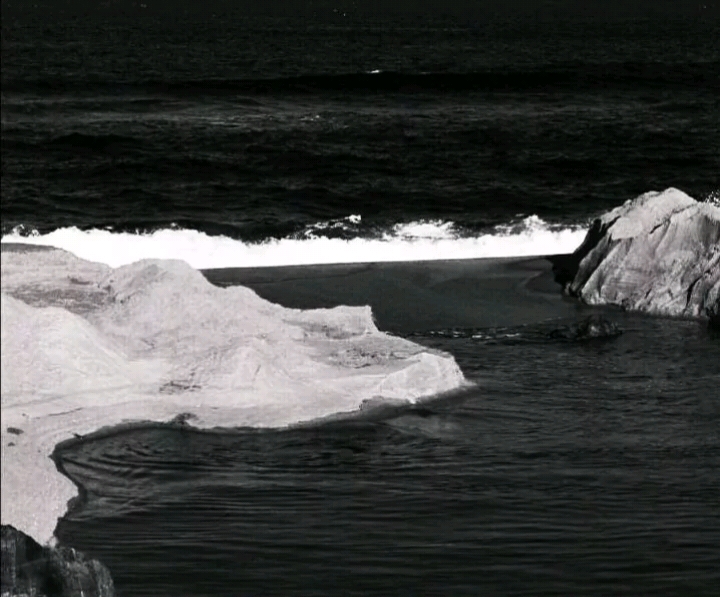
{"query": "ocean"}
[(571, 468)]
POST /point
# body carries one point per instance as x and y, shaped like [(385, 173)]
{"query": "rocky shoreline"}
[(86, 347)]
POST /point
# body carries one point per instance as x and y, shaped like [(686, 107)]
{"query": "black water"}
[(259, 128), (574, 468)]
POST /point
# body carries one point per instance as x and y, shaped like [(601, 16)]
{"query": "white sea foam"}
[(412, 241)]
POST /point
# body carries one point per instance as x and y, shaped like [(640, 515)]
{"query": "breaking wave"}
[(425, 240)]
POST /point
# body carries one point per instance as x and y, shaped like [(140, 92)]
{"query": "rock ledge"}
[(87, 347)]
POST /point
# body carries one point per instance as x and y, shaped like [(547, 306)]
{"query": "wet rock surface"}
[(594, 326), (658, 253), (30, 569)]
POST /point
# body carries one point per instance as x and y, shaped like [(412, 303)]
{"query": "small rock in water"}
[(31, 569), (595, 326)]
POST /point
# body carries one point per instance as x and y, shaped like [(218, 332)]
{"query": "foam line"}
[(414, 241)]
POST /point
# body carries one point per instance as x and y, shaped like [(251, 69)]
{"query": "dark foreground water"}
[(574, 468)]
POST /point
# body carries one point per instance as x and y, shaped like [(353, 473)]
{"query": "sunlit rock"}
[(658, 253), (86, 346)]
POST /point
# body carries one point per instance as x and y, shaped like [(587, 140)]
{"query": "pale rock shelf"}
[(87, 347)]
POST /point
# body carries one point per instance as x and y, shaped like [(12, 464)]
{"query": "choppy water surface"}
[(260, 129), (576, 468)]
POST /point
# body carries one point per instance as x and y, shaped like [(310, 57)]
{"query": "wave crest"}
[(425, 240), (566, 75)]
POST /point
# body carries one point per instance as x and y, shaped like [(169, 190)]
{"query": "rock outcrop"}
[(30, 569), (592, 327), (658, 253), (85, 346)]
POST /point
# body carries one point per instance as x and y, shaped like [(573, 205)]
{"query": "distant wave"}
[(614, 74), (81, 141), (410, 241)]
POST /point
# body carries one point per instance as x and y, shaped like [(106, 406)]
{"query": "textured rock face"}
[(658, 253), (86, 346), (33, 570)]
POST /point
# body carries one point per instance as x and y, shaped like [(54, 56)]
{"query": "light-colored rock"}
[(658, 253), (86, 347)]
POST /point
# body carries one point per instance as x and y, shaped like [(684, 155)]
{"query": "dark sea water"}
[(257, 129), (572, 468)]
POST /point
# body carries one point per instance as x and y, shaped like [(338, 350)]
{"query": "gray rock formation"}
[(36, 571), (594, 326), (658, 253)]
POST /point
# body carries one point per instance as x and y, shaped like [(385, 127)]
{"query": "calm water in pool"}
[(577, 468)]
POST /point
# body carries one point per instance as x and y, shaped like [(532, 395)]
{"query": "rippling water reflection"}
[(573, 468)]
